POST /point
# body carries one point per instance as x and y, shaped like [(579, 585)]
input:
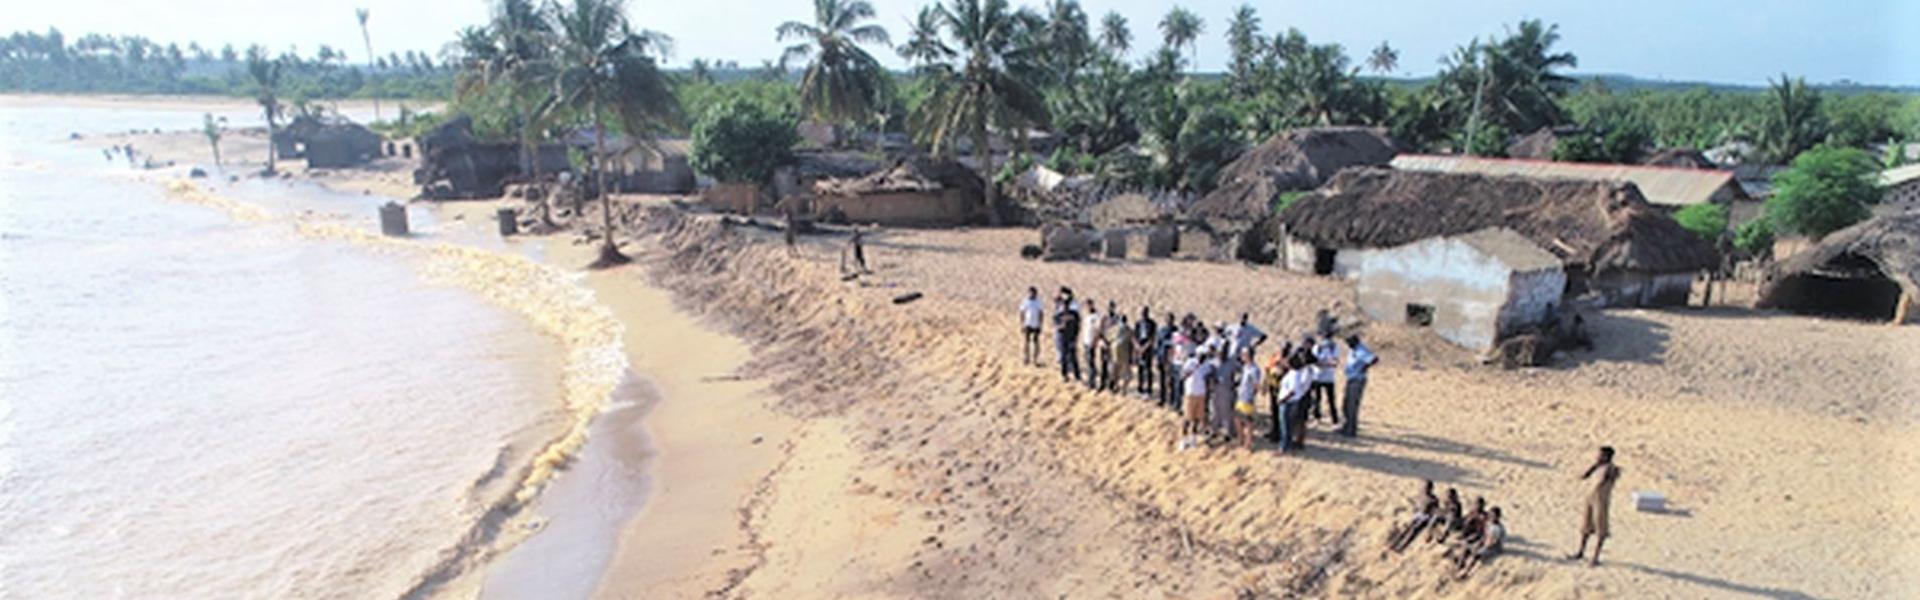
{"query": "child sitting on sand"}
[(1425, 516), (1492, 535)]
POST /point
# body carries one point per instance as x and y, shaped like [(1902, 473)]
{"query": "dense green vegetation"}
[(742, 140), (50, 63), (1828, 188)]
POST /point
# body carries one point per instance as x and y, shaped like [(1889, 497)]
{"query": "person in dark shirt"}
[(1143, 341), (1066, 334)]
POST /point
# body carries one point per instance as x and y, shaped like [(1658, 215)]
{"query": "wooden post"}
[(1904, 309)]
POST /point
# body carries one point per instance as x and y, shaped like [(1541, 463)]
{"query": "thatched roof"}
[(1293, 160), (1889, 244), (903, 176), (1598, 225)]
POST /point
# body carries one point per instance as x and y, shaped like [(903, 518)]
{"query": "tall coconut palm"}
[(1384, 59), (1068, 42), (1792, 123), (1183, 28), (1114, 34), (923, 46), (1248, 50), (361, 15), (842, 84), (607, 74), (992, 84), (512, 54), (265, 73)]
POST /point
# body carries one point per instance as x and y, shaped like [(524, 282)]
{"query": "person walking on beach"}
[(1594, 521), (1360, 360), (860, 250), (1326, 359), (1066, 333), (1031, 311), (1144, 332)]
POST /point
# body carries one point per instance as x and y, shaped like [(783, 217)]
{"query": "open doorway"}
[(1872, 298), (1420, 315), (1323, 261)]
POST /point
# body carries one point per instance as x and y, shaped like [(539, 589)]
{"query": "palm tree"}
[(1067, 39), (1792, 123), (266, 81), (923, 46), (210, 127), (362, 14), (842, 84), (1384, 59), (992, 85), (513, 53), (699, 71), (1183, 28), (1248, 48), (606, 72), (1114, 34)]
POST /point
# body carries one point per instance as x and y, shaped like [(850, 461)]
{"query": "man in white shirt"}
[(1090, 328), (1293, 391), (1326, 359), (1196, 372), (1245, 336), (1031, 311)]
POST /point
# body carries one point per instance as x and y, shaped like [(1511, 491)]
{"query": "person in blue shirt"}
[(1360, 360)]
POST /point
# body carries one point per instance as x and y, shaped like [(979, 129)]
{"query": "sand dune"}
[(936, 465)]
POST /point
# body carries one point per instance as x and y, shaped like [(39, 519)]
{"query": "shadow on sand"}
[(1717, 584), (1622, 337)]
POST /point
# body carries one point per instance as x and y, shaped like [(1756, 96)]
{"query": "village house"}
[(1616, 249), (1472, 289), (1668, 188), (1900, 189), (924, 193), (1294, 160), (1868, 271)]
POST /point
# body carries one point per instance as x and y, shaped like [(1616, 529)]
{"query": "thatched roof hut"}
[(1594, 226), (1293, 160), (1126, 210), (1861, 271)]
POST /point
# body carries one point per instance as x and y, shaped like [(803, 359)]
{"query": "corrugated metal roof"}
[(1898, 175), (1660, 185)]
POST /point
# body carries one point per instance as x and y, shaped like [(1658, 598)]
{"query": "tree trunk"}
[(609, 252), (272, 147), (983, 154)]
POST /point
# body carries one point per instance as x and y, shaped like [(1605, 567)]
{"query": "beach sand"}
[(835, 444)]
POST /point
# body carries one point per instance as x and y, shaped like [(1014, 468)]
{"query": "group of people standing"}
[(1211, 375)]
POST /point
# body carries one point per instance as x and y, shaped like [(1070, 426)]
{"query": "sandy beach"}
[(815, 439)]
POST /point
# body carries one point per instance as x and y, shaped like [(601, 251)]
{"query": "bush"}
[(741, 140), (1827, 188), (1754, 238), (1708, 221)]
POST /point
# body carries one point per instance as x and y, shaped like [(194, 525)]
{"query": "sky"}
[(1721, 41)]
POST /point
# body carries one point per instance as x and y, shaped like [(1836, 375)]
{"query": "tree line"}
[(51, 63)]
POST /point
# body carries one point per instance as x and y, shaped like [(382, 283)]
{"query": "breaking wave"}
[(553, 300)]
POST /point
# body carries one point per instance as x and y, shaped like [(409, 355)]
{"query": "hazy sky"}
[(1732, 41)]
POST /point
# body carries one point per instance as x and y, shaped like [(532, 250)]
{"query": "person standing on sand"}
[(1293, 393), (791, 233), (1221, 393), (1250, 382), (1245, 336), (1066, 332), (1163, 352), (860, 250), (1594, 521), (1089, 342), (1197, 372), (1360, 360), (1326, 359), (1124, 350), (1031, 311), (1143, 335)]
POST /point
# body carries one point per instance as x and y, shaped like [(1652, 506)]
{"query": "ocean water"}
[(237, 392)]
